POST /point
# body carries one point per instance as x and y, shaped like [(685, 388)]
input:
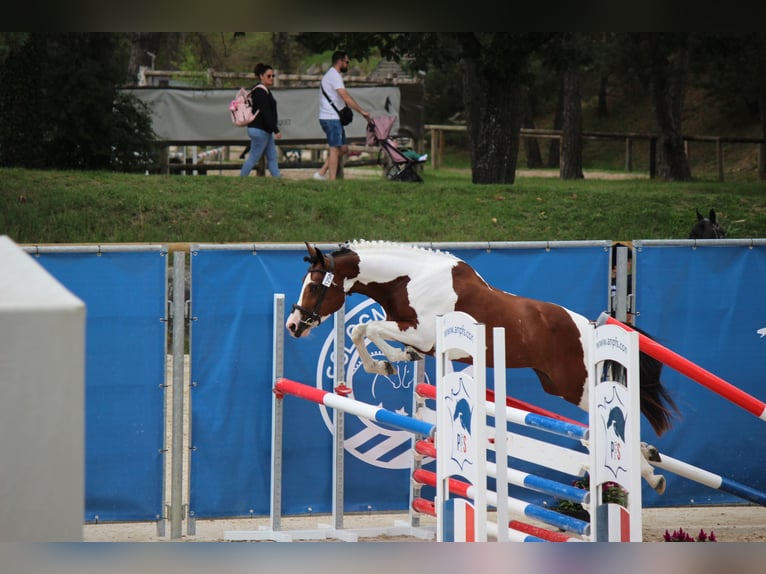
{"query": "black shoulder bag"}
[(346, 115)]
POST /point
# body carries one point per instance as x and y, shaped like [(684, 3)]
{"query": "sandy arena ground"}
[(729, 523)]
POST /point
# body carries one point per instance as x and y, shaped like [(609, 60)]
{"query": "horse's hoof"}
[(382, 368), (413, 355), (659, 488), (650, 452)]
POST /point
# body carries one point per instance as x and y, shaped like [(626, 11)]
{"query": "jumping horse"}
[(707, 227), (414, 285)]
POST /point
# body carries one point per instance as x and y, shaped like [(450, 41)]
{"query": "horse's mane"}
[(364, 244)]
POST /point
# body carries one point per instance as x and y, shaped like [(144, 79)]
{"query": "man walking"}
[(333, 89)]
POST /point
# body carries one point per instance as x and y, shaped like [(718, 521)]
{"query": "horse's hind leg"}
[(648, 452), (656, 481)]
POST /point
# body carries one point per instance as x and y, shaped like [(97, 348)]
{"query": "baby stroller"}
[(403, 162)]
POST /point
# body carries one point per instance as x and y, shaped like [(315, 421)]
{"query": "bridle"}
[(310, 317), (718, 232), (707, 227)]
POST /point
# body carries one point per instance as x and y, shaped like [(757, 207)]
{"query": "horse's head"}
[(321, 295), (707, 227)]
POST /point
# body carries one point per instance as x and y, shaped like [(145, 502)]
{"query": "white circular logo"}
[(367, 440)]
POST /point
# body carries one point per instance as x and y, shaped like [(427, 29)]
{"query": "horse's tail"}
[(657, 405)]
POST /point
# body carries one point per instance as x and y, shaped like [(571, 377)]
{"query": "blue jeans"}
[(336, 135), (260, 142)]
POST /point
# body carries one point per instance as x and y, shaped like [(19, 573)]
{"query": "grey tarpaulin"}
[(200, 116)]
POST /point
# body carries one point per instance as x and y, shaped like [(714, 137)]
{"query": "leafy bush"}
[(60, 108)]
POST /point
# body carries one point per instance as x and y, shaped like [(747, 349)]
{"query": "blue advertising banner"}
[(124, 294), (232, 334), (706, 303)]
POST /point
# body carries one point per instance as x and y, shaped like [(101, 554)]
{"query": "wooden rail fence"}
[(438, 141)]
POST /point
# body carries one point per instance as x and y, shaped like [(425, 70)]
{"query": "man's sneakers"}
[(319, 176)]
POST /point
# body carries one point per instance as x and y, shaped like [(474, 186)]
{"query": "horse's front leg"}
[(378, 332)]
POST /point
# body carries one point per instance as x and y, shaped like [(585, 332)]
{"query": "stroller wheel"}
[(393, 172), (407, 173)]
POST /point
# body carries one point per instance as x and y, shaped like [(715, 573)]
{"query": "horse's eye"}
[(314, 288)]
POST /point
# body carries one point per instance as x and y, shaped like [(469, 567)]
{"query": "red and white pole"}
[(693, 371)]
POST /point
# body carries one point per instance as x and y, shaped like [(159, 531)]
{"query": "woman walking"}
[(263, 130)]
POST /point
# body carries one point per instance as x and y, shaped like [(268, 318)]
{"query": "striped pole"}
[(429, 392), (668, 463), (354, 407), (427, 507), (523, 528), (523, 479), (540, 422), (515, 505), (547, 535), (693, 371), (709, 479)]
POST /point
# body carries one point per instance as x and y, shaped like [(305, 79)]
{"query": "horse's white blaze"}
[(293, 320)]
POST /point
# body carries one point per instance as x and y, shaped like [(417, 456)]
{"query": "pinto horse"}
[(414, 285)]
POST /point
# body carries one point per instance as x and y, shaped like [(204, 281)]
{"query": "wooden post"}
[(164, 159), (628, 154), (719, 156), (762, 160), (441, 147), (652, 158), (434, 148)]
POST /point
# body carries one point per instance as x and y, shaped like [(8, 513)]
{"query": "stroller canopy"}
[(379, 128)]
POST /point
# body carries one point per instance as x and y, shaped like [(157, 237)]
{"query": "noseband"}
[(309, 317), (719, 234)]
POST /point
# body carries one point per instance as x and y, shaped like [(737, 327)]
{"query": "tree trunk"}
[(762, 116), (281, 52), (571, 130), (603, 107), (554, 149), (494, 113), (531, 145), (668, 89)]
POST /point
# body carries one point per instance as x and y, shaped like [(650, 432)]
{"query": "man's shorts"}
[(336, 135)]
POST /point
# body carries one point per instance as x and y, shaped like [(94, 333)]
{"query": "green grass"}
[(42, 207)]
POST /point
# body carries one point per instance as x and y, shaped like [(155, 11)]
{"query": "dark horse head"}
[(707, 227)]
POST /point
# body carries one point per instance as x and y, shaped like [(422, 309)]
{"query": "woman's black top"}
[(267, 119)]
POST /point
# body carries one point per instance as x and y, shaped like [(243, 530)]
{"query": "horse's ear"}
[(699, 215), (712, 215), (319, 256), (312, 256)]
